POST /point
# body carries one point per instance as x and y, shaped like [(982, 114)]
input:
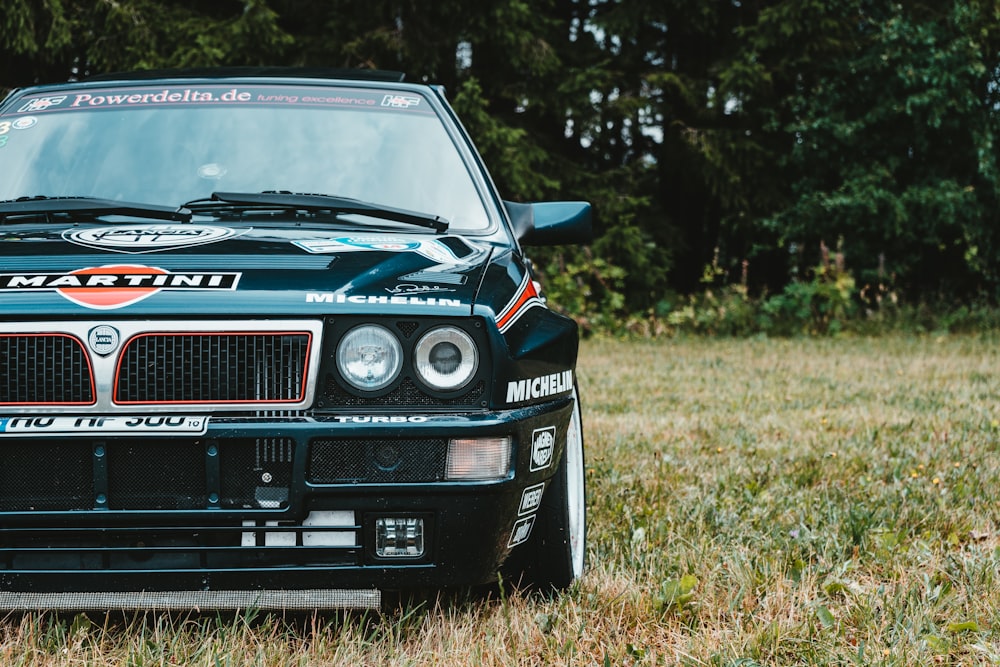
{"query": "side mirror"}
[(551, 223)]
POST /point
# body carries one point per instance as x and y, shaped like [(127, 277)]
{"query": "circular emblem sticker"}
[(543, 441), (149, 238), (103, 339)]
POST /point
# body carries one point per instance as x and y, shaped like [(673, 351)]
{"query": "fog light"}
[(478, 459), (399, 537)]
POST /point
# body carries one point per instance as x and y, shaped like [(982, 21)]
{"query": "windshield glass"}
[(171, 144)]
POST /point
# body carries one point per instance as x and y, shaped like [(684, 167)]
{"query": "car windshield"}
[(171, 144)]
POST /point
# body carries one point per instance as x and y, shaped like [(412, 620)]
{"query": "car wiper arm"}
[(318, 204), (42, 205)]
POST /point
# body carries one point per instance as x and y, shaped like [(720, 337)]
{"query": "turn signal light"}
[(478, 459)]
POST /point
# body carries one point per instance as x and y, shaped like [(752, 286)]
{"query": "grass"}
[(754, 502)]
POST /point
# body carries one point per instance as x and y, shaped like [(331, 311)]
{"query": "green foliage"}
[(517, 164), (703, 133), (822, 305), (893, 148), (584, 286)]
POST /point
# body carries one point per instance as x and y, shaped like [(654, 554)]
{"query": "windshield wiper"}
[(52, 206), (311, 203)]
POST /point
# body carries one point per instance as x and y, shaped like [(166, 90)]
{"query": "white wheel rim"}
[(576, 505)]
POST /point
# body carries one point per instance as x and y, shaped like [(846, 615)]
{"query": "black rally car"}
[(269, 339)]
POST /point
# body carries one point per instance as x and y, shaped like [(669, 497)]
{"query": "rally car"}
[(268, 339)]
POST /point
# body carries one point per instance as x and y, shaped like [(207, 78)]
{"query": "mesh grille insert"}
[(213, 368), (359, 461), (407, 394), (44, 368), (54, 478)]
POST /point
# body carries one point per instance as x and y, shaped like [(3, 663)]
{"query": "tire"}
[(555, 554)]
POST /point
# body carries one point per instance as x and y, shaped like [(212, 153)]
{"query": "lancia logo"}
[(103, 339), (136, 239)]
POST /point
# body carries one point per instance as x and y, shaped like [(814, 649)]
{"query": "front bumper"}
[(262, 511)]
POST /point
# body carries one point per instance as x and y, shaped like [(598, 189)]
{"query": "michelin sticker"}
[(135, 239), (381, 300), (528, 389), (543, 442)]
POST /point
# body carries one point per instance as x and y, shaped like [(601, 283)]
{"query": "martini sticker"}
[(116, 286)]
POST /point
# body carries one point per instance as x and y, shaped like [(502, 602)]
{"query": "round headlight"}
[(446, 358), (369, 357)]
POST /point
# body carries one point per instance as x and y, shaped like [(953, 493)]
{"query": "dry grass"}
[(820, 502)]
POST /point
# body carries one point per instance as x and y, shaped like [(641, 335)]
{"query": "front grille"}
[(38, 369), (151, 474), (362, 461), (213, 368)]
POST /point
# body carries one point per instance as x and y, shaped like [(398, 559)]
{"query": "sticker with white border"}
[(117, 286), (543, 442), (104, 425), (531, 499), (432, 249), (521, 531), (137, 239)]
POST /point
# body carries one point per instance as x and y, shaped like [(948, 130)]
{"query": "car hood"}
[(209, 269)]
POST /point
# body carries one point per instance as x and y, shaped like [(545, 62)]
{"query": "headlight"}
[(369, 357), (446, 358)]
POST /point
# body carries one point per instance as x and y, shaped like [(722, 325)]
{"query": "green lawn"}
[(772, 502)]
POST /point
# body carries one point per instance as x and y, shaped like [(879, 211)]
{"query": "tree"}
[(44, 41), (890, 137)]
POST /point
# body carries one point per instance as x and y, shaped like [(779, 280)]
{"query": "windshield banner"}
[(209, 95)]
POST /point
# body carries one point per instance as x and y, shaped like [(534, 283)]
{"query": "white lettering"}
[(519, 391), (378, 419), (24, 281), (65, 281)]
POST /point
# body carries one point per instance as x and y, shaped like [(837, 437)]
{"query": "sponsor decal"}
[(103, 339), (107, 98), (166, 96), (524, 299), (336, 297), (137, 239), (543, 443), (436, 276), (521, 531), (24, 123), (432, 249), (379, 419), (41, 104), (407, 288), (116, 286), (519, 391), (531, 499), (400, 101), (106, 425)]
